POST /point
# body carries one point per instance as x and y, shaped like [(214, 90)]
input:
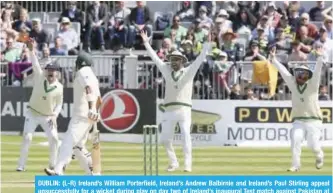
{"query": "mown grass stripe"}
[(126, 159), (197, 165), (110, 169), (207, 149), (162, 156), (131, 153), (204, 160)]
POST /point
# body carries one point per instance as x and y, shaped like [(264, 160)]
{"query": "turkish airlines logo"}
[(120, 111)]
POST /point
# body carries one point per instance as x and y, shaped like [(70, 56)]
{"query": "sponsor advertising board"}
[(122, 111), (245, 123), (214, 122)]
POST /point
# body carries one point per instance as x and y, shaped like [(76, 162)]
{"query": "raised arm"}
[(193, 68), (33, 58), (287, 77), (152, 54), (317, 71)]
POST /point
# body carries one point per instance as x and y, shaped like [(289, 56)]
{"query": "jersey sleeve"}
[(193, 68), (287, 77), (35, 64), (159, 63), (59, 102), (85, 78), (317, 72)]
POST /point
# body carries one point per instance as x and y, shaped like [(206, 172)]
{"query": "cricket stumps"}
[(150, 139)]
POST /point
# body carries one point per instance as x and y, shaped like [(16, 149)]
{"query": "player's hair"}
[(322, 86)]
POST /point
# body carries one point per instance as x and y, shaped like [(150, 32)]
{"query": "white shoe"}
[(319, 163), (20, 169), (187, 169), (172, 167), (293, 169), (95, 174), (50, 172)]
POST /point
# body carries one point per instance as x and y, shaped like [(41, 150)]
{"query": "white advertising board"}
[(237, 123), (246, 123)]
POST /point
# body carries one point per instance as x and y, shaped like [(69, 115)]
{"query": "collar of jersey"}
[(46, 89), (301, 88), (176, 78)]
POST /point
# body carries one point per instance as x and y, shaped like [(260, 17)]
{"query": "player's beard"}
[(302, 79)]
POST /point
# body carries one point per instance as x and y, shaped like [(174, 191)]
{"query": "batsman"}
[(178, 100), (87, 99), (306, 113)]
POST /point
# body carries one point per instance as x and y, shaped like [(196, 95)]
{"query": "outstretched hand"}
[(144, 36)]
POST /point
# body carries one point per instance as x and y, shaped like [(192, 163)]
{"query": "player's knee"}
[(314, 147), (77, 151), (296, 138), (85, 151), (81, 152), (54, 140)]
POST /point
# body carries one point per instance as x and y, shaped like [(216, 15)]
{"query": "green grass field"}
[(127, 159)]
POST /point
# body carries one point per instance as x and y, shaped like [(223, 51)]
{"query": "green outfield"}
[(127, 159)]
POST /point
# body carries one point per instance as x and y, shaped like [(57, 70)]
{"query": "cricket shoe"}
[(187, 169), (50, 172), (319, 163), (20, 169), (293, 169), (173, 167), (63, 169)]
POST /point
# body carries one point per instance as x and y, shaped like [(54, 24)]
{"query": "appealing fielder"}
[(85, 114), (44, 107), (178, 100), (306, 111)]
